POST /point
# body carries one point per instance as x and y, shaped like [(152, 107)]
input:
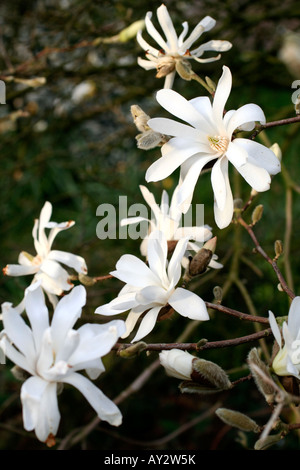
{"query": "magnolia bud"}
[(218, 294), (184, 69), (257, 214), (264, 380), (131, 31), (266, 442), (140, 118), (277, 150), (201, 260), (19, 374), (278, 248), (211, 84), (238, 420), (209, 374), (132, 351), (86, 280), (177, 363)]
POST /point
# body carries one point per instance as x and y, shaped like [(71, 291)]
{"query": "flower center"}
[(165, 65), (218, 143)]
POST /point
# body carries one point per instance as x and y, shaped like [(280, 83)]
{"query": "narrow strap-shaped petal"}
[(37, 312), (157, 256), (44, 219), (103, 406), (73, 261), (245, 114), (118, 305), (257, 177), (19, 270), (134, 271), (221, 95), (67, 311), (188, 304), (147, 324), (174, 268), (236, 154), (213, 45), (260, 155), (167, 26), (154, 33), (223, 216), (177, 129), (177, 105), (146, 46), (294, 317)]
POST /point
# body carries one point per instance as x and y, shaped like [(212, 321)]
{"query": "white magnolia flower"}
[(53, 354), (177, 363), (287, 360), (173, 48), (150, 287), (46, 264), (167, 218), (209, 137)]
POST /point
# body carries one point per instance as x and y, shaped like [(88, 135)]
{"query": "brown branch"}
[(271, 261), (199, 346), (280, 122)]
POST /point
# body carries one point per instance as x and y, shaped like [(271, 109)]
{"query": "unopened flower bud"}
[(86, 280), (211, 84), (210, 374), (177, 363), (218, 294), (149, 140), (184, 69), (278, 248), (238, 420), (132, 351), (257, 214), (277, 150), (262, 380), (268, 441), (140, 118), (20, 374), (165, 65), (201, 260), (131, 31)]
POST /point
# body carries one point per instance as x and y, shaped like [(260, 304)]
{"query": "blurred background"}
[(77, 149)]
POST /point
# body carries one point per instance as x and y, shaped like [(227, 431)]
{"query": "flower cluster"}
[(53, 353), (47, 348)]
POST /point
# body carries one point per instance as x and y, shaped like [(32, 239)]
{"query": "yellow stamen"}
[(218, 143)]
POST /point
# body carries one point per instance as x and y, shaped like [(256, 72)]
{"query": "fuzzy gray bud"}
[(266, 442), (264, 380), (238, 420), (257, 214), (132, 351)]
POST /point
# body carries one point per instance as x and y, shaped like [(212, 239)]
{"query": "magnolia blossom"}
[(176, 48), (52, 354), (177, 363), (287, 360), (209, 137), (150, 287), (46, 264), (167, 218)]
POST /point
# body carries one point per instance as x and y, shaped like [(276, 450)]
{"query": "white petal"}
[(146, 64), (144, 45), (174, 268), (223, 217), (154, 33), (177, 129), (246, 114), (258, 178), (147, 324), (157, 251), (118, 305), (213, 45), (104, 407), (219, 175), (175, 153), (19, 270), (134, 271), (294, 317), (199, 234), (96, 341), (40, 409), (68, 310), (177, 105), (152, 294), (236, 154), (221, 95), (19, 333), (73, 261), (260, 155), (188, 304), (167, 27), (37, 312), (275, 328), (25, 363)]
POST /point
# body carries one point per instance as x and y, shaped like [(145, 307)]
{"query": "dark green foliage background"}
[(86, 155)]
